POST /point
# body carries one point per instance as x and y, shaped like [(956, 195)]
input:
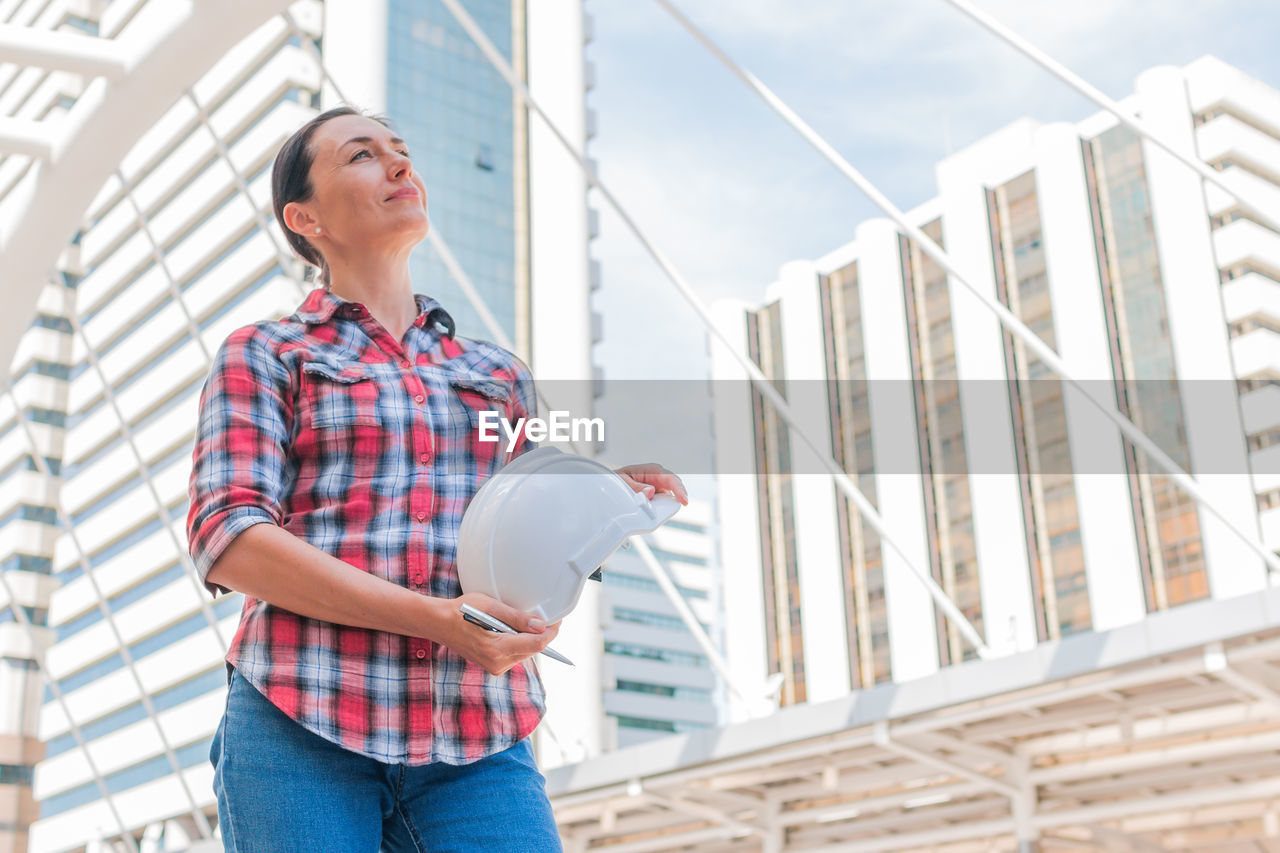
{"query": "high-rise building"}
[(657, 679), (179, 248), (1006, 486)]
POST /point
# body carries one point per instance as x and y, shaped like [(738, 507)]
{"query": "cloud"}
[(730, 193)]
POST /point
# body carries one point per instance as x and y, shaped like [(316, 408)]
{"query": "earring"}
[(317, 230)]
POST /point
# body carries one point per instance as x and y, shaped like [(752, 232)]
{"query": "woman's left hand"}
[(650, 478)]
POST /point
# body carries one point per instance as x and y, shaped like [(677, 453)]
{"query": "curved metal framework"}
[(133, 77)]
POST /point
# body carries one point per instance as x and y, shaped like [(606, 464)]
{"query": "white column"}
[(913, 634), (1198, 331), (824, 625), (560, 302), (738, 507), (1103, 505), (560, 314), (355, 52), (998, 523)]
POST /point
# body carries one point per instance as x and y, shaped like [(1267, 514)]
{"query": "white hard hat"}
[(536, 530)]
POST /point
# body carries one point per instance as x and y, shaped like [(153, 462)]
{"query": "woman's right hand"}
[(496, 652)]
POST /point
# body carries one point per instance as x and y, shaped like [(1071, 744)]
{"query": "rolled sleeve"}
[(238, 465)]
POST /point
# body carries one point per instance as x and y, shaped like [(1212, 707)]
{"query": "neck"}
[(381, 283)]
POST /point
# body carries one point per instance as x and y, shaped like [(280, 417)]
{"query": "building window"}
[(57, 324), (52, 417), (1245, 386), (484, 157), (695, 694), (84, 25), (647, 584), (1249, 324), (653, 620), (672, 726), (15, 774), (35, 615), (1264, 439), (27, 563), (671, 656)]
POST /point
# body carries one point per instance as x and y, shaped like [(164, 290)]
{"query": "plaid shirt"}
[(322, 424)]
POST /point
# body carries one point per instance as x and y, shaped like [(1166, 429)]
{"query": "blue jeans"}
[(282, 788)]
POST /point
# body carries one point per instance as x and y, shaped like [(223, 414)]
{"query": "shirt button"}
[(423, 458), (404, 364), (420, 654), (419, 399), (422, 516)]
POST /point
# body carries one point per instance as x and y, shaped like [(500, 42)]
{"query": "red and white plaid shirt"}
[(368, 449)]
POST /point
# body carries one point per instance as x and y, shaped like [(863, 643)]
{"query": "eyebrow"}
[(395, 140)]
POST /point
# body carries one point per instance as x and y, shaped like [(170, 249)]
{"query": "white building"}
[(657, 680), (113, 409), (1015, 495)]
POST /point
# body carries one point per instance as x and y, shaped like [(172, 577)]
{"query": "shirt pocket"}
[(342, 432), (476, 396)]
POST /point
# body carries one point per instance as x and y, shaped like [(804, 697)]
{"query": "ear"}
[(299, 220)]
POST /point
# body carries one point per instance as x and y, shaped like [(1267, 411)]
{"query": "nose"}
[(401, 166)]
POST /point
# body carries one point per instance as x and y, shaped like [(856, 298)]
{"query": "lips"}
[(405, 192)]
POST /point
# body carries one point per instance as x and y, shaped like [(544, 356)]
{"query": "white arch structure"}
[(137, 75)]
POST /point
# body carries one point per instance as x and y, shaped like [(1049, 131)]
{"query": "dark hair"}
[(291, 180)]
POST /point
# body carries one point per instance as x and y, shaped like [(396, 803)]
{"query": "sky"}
[(729, 193)]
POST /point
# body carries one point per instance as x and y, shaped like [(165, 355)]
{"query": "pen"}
[(492, 623)]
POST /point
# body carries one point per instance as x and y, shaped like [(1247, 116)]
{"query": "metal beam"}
[(63, 51), (1128, 118), (740, 800), (704, 811), (665, 842), (24, 136), (937, 740), (1216, 664), (1107, 835), (1156, 803), (881, 803), (884, 739), (860, 826), (287, 263), (898, 841), (690, 620), (1198, 750), (1257, 690)]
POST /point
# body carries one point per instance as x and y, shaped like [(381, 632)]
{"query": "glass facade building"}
[(457, 114), (1169, 531), (1047, 485)]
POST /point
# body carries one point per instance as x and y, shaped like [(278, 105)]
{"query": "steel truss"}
[(1160, 735)]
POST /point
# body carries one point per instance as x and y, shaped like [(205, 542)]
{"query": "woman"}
[(335, 455)]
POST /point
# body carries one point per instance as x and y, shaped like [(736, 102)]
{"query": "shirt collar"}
[(320, 306)]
